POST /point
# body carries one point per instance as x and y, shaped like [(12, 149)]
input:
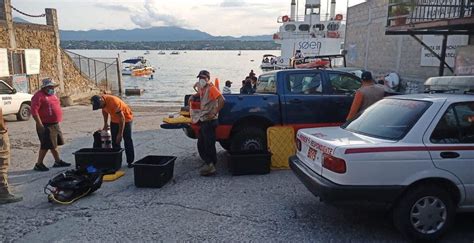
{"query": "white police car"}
[(13, 102), (413, 152)]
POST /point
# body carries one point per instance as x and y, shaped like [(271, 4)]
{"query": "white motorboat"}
[(308, 35), (268, 62), (161, 53), (137, 66), (174, 53)]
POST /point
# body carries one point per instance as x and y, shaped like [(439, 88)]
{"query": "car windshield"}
[(388, 119), (266, 84)]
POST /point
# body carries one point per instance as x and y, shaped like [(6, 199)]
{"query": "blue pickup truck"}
[(299, 98)]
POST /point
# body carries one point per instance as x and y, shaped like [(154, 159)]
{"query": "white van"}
[(13, 102)]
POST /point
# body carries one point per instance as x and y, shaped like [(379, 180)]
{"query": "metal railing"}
[(102, 72), (401, 12)]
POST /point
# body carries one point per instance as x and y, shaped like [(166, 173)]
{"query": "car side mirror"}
[(14, 91)]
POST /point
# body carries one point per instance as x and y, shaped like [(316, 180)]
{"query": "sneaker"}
[(61, 164), (9, 198), (40, 167), (208, 170)]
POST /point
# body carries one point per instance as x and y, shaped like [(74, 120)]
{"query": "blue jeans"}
[(207, 141), (127, 139)]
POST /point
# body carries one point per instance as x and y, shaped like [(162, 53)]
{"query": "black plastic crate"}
[(249, 162), (106, 160), (153, 171)]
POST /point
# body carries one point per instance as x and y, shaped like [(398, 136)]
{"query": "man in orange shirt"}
[(121, 118), (212, 102)]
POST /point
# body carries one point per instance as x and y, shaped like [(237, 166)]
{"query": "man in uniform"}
[(5, 195)]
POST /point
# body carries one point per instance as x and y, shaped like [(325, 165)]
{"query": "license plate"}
[(312, 153)]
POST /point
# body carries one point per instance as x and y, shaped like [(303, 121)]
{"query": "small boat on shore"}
[(137, 67), (174, 53), (161, 53), (146, 52)]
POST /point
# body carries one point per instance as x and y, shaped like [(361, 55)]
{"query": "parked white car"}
[(413, 152), (13, 102)]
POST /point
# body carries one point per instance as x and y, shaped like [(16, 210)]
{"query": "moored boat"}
[(137, 67)]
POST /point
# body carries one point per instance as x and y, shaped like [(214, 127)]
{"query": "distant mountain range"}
[(151, 34), (166, 33)]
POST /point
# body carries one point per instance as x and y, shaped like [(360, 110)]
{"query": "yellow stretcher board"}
[(281, 144), (113, 177)]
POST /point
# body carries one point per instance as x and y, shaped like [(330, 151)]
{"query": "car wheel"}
[(225, 144), (424, 213), (249, 139), (24, 113)]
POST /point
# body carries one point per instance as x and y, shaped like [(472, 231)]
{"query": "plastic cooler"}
[(249, 162), (153, 171), (107, 160)]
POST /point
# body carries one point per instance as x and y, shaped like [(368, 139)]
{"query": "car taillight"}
[(298, 144), (334, 164)]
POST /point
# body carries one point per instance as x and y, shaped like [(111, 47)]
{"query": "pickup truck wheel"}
[(424, 213), (249, 139), (225, 144), (24, 113)]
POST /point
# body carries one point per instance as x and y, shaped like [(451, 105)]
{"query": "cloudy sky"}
[(217, 17)]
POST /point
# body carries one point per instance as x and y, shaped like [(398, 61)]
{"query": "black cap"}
[(204, 73), (228, 82), (95, 100), (366, 75)]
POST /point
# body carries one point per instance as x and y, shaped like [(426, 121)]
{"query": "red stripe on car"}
[(406, 149)]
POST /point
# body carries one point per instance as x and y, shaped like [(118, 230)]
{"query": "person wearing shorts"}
[(47, 113)]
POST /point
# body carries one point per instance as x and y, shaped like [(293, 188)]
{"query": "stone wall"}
[(34, 36), (368, 46)]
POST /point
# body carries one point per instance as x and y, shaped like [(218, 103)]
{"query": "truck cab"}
[(13, 102)]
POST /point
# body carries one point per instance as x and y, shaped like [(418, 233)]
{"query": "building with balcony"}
[(408, 37)]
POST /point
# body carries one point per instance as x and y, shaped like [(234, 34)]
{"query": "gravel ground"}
[(273, 207)]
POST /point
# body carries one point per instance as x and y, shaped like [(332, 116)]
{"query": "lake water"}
[(176, 74)]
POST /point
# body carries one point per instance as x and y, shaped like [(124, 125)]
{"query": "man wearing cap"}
[(226, 89), (121, 118), (5, 195), (365, 96), (47, 113), (212, 102)]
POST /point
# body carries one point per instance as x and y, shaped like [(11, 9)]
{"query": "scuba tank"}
[(106, 138)]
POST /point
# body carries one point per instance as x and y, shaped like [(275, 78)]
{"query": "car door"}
[(340, 88), (6, 96), (451, 144), (302, 99)]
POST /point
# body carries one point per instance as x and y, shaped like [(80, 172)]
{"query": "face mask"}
[(202, 82), (50, 91)]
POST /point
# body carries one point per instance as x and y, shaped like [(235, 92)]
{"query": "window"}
[(4, 89), (388, 119), (343, 83), (290, 27), (304, 27), (456, 125), (304, 83), (266, 84)]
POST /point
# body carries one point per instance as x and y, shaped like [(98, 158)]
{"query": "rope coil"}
[(29, 15)]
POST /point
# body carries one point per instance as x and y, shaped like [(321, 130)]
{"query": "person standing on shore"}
[(365, 96), (5, 195), (47, 113), (121, 119), (212, 102)]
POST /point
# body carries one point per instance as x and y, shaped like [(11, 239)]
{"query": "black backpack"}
[(71, 185)]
